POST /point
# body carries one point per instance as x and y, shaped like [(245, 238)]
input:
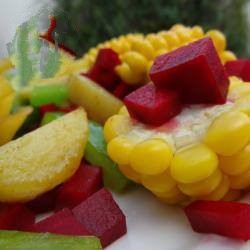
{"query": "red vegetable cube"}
[(225, 218), (86, 181), (151, 105), (15, 217), (195, 71), (47, 108), (102, 217), (44, 202), (240, 68), (62, 222), (122, 89), (107, 59)]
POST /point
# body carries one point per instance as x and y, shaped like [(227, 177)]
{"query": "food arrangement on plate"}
[(168, 111)]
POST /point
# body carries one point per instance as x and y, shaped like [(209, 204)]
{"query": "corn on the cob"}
[(137, 51), (205, 155)]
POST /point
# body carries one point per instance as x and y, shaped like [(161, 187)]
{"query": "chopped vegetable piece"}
[(12, 240), (86, 181), (102, 217), (46, 94), (50, 116), (195, 71), (96, 154), (10, 218), (231, 219), (47, 108), (240, 68), (42, 159), (62, 222), (151, 105)]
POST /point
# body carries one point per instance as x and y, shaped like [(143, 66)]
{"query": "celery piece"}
[(96, 154), (56, 93), (13, 240)]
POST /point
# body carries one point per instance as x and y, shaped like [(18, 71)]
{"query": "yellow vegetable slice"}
[(42, 159), (98, 102)]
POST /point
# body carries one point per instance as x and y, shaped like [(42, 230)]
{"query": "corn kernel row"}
[(214, 168), (137, 51)]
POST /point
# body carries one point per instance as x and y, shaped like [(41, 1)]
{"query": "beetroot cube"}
[(240, 68), (195, 71), (62, 222), (102, 217), (15, 217), (86, 181), (230, 219), (47, 108), (107, 59), (122, 89), (151, 105), (44, 202)]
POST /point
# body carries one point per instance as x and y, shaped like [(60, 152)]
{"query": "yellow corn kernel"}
[(160, 183), (184, 35), (219, 192), (161, 52), (120, 148), (136, 61), (232, 195), (126, 74), (157, 41), (123, 111), (239, 91), (236, 164), (227, 56), (177, 26), (120, 46), (197, 32), (228, 133), (203, 187), (193, 163), (151, 157), (241, 181), (134, 36), (116, 125), (174, 196), (218, 38), (10, 125), (6, 105), (171, 38), (143, 47), (93, 52), (130, 173)]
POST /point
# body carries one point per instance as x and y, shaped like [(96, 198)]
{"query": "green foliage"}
[(85, 23)]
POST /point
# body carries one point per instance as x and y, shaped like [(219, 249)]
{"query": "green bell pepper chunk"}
[(13, 240), (51, 116), (96, 154)]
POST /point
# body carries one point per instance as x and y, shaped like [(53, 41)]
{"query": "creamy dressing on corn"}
[(186, 128)]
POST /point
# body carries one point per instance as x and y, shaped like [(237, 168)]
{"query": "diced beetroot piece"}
[(44, 202), (62, 222), (67, 109), (151, 105), (15, 217), (107, 59), (47, 108), (231, 219), (102, 217), (240, 68), (195, 71), (86, 181), (122, 89)]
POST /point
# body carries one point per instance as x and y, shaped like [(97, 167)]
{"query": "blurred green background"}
[(84, 23)]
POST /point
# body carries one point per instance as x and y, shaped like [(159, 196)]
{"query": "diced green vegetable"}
[(56, 93), (96, 154), (50, 116), (13, 240)]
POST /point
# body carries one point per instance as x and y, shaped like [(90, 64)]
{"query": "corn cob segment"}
[(203, 154), (137, 51)]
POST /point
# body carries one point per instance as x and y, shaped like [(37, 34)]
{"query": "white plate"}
[(153, 225)]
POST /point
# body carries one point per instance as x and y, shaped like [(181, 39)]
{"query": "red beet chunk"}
[(86, 181), (47, 108), (62, 222), (231, 219), (44, 202), (151, 105), (102, 217), (195, 71), (122, 89), (107, 59), (240, 68), (15, 217)]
